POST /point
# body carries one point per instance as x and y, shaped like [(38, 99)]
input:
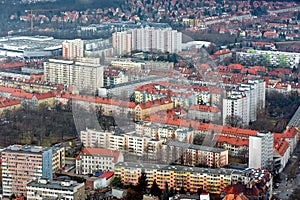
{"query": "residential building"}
[(91, 160), (205, 113), (236, 109), (58, 157), (190, 178), (193, 155), (147, 39), (114, 76), (142, 110), (136, 144), (44, 189), (9, 104), (261, 150), (86, 77), (72, 49), (122, 42), (281, 153), (269, 58), (95, 138), (256, 90), (21, 164)]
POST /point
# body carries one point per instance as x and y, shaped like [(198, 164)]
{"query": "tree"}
[(182, 191), (155, 190), (166, 193), (132, 194), (142, 183), (233, 120), (116, 182)]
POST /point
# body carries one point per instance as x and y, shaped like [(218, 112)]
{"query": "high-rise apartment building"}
[(72, 49), (22, 164), (261, 150), (86, 76), (256, 90), (236, 109), (147, 39), (121, 41)]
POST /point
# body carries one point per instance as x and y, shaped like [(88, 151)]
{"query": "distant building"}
[(147, 39), (86, 76), (21, 164), (45, 189), (269, 58), (261, 150), (72, 49), (91, 160)]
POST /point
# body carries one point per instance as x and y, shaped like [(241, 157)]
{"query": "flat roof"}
[(54, 185)]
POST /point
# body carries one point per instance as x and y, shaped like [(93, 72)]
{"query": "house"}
[(91, 160)]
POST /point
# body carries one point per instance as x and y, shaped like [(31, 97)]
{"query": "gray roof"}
[(193, 146), (54, 185)]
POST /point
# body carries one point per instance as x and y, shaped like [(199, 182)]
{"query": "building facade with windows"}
[(45, 189), (261, 150), (91, 160), (87, 77), (21, 164)]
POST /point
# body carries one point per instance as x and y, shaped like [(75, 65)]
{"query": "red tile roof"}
[(204, 108), (281, 146), (107, 175), (100, 151), (5, 102)]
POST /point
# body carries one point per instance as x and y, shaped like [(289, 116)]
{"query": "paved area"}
[(287, 186)]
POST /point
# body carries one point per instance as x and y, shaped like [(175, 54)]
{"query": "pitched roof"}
[(100, 151), (204, 108), (5, 102)]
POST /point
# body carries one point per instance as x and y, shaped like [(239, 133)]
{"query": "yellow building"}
[(143, 110), (58, 158), (7, 104), (190, 178)]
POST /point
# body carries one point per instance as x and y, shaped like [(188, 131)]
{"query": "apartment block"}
[(91, 160), (44, 189), (236, 107), (190, 178), (72, 49), (203, 112), (58, 157), (261, 150), (269, 58), (85, 76), (136, 144), (147, 39), (256, 90), (21, 164), (95, 138), (193, 155)]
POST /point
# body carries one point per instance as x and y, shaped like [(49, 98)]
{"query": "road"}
[(287, 187)]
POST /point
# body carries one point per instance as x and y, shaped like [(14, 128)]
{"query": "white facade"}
[(72, 49), (121, 41), (261, 150), (87, 77), (256, 90), (95, 138), (237, 104), (136, 144), (270, 58), (92, 160), (43, 189), (147, 39)]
